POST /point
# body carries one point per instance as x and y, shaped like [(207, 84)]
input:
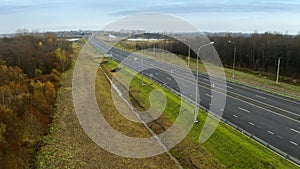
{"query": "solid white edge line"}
[(265, 103), (263, 92), (278, 96), (268, 111), (247, 98), (245, 101)]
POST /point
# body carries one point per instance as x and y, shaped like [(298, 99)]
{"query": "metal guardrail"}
[(269, 146), (237, 128)]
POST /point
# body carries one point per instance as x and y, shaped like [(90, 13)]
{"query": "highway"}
[(272, 118)]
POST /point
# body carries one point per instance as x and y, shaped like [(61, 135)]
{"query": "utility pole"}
[(234, 53), (163, 48), (154, 51), (189, 55), (143, 68), (143, 84), (278, 67)]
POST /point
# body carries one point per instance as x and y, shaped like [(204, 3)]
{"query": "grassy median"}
[(226, 148), (253, 79)]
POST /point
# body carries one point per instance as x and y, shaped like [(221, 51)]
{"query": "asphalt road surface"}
[(272, 118)]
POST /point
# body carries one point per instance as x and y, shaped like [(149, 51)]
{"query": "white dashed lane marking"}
[(260, 96), (235, 116), (293, 143), (270, 132), (245, 110), (296, 131), (252, 124)]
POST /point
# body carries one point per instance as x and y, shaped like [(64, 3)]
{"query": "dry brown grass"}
[(69, 147), (188, 152)]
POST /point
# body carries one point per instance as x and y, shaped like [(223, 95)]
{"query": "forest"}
[(30, 68), (259, 53), (255, 53)]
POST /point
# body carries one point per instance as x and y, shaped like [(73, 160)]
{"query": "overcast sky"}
[(207, 15)]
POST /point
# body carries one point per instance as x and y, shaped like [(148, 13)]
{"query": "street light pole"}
[(278, 67), (196, 97), (189, 51), (189, 55), (163, 49), (143, 68), (154, 51), (234, 53), (143, 72)]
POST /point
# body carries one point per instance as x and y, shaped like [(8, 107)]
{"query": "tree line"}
[(30, 68), (255, 53), (260, 53)]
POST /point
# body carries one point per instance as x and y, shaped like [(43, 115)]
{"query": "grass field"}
[(227, 148), (67, 145)]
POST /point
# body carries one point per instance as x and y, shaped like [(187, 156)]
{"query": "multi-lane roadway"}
[(272, 118)]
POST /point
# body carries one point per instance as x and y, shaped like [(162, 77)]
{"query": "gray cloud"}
[(224, 6), (14, 8)]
